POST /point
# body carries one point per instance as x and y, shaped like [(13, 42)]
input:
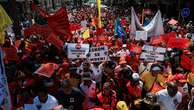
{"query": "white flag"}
[(154, 28), (5, 100)]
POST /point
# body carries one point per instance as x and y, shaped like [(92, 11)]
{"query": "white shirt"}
[(123, 52), (167, 102), (84, 23), (90, 92), (48, 105), (97, 73)]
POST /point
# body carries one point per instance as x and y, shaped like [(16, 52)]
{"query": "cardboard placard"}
[(141, 35), (151, 56), (75, 51), (98, 54)]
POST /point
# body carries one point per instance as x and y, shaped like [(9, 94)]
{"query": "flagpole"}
[(142, 21), (99, 20)]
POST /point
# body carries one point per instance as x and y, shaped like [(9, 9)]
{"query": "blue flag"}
[(119, 30)]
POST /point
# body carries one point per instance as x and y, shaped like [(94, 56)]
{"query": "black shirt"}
[(72, 101)]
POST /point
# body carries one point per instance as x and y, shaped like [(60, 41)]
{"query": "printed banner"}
[(141, 35), (75, 51), (151, 56), (98, 54)]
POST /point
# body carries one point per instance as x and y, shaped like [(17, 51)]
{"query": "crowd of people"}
[(123, 82)]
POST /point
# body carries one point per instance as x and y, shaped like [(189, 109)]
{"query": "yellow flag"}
[(86, 34), (99, 13), (4, 22)]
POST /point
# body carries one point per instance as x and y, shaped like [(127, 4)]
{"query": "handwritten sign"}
[(141, 35), (75, 51), (98, 54)]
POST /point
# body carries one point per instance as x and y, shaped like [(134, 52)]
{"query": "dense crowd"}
[(123, 82)]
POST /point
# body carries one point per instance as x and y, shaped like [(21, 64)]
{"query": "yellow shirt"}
[(149, 80), (190, 78)]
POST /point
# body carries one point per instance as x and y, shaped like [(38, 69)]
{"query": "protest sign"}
[(47, 70), (141, 35), (75, 51), (149, 48), (98, 54), (151, 56)]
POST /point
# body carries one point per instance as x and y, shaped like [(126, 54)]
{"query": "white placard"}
[(151, 57), (141, 35), (98, 54), (149, 48), (75, 51)]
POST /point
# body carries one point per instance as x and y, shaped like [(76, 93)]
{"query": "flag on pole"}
[(5, 21), (86, 34), (119, 30), (5, 100), (99, 13)]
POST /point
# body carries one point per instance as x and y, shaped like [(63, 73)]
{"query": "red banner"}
[(59, 23), (180, 43), (186, 62), (10, 54), (55, 41)]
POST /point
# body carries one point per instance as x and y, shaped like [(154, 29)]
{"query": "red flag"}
[(59, 23), (47, 70), (55, 41), (168, 36), (99, 31), (180, 43), (186, 62), (37, 30), (75, 26), (136, 49), (156, 41)]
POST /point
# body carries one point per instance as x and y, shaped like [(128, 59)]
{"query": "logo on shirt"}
[(72, 100)]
